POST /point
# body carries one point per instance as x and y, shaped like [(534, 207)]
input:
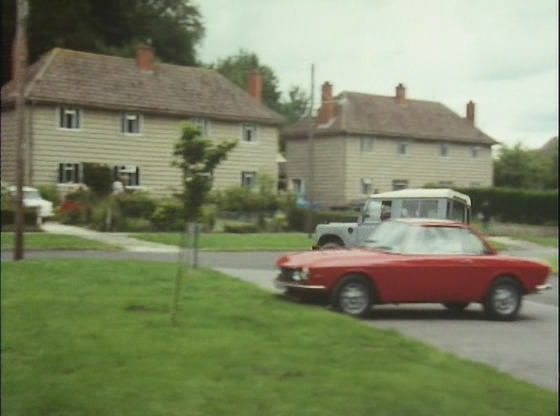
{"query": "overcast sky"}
[(502, 54)]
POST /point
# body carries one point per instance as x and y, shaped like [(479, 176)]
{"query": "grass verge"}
[(93, 338), (47, 241), (237, 242), (553, 261)]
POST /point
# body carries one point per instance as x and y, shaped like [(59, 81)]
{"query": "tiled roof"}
[(87, 79), (357, 113)]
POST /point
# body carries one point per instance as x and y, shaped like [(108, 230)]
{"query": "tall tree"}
[(107, 26), (236, 68), (519, 167)]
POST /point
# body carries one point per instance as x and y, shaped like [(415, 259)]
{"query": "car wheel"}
[(503, 300), (456, 306), (330, 246), (353, 296)]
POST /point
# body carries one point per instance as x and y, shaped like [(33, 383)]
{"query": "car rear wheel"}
[(503, 300), (353, 296), (456, 306)]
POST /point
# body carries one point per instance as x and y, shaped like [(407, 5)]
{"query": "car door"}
[(431, 267)]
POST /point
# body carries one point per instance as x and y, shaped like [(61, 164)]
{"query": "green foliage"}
[(240, 228), (104, 209), (237, 67), (136, 204), (198, 157), (174, 27), (50, 193), (9, 216), (168, 216), (7, 199), (516, 205), (98, 178), (517, 167), (297, 218)]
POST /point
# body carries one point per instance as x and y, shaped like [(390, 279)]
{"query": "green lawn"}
[(237, 242), (84, 338), (543, 241), (47, 241), (553, 261)]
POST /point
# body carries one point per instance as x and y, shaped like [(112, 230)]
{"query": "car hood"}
[(326, 258)]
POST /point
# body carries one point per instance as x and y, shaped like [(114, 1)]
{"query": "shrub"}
[(99, 178), (50, 193), (99, 215), (136, 204), (74, 212), (238, 228), (208, 219), (297, 218), (9, 218), (137, 225), (168, 216)]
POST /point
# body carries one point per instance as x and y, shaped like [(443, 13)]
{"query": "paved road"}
[(527, 348)]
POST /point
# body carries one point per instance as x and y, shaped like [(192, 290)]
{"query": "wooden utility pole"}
[(309, 184), (20, 64)]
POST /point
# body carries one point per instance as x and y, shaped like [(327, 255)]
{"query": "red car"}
[(415, 261)]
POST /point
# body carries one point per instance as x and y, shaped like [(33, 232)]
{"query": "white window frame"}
[(70, 167), (366, 186), (249, 126), (67, 109), (475, 152), (202, 124), (249, 174), (406, 144), (128, 170), (444, 149), (300, 185), (367, 144), (125, 117)]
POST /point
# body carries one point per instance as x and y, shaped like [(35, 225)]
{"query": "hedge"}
[(297, 218), (516, 205), (29, 217)]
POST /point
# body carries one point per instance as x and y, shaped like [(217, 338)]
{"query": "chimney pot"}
[(470, 112), (400, 93), (145, 57), (254, 85), (326, 112)]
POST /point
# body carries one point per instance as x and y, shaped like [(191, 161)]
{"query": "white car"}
[(32, 199)]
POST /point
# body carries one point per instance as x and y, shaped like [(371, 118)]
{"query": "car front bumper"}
[(282, 285), (543, 288)]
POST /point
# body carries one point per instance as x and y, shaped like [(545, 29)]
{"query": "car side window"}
[(444, 241), (472, 244)]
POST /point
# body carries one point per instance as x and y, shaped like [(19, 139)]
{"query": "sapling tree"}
[(197, 157)]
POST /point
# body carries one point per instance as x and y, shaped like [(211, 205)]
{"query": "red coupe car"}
[(415, 261)]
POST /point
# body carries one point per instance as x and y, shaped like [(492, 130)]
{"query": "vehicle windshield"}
[(388, 236), (31, 195)]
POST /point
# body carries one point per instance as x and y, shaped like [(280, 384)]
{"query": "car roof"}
[(25, 188), (422, 193), (430, 221)]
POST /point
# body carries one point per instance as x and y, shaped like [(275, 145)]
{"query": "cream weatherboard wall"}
[(8, 146), (100, 140), (421, 164), (328, 167)]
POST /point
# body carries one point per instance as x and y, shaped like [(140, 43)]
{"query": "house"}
[(364, 143), (127, 113)]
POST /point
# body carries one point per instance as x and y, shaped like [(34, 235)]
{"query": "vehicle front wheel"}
[(353, 296), (456, 306), (503, 300)]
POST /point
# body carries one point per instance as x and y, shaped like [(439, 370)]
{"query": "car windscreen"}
[(388, 236), (31, 195)]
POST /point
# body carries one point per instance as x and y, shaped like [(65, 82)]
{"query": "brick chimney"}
[(145, 57), (254, 85), (470, 112), (400, 93), (326, 112)]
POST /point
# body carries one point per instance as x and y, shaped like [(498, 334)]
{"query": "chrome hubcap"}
[(505, 300), (353, 298)]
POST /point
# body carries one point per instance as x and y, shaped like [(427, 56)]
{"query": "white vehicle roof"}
[(25, 188), (422, 193)]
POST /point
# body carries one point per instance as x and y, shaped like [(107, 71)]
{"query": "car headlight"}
[(301, 274)]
